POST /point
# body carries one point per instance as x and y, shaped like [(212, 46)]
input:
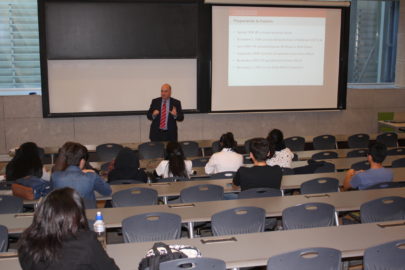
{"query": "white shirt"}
[(224, 161), (163, 168), (281, 158)]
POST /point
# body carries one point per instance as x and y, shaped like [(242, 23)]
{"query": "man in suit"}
[(164, 112)]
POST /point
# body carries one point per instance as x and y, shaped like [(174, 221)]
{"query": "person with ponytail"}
[(227, 159), (174, 164)]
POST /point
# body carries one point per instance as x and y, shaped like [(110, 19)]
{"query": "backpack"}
[(160, 252), (30, 188)]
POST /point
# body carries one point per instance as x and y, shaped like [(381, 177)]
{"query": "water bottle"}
[(99, 229)]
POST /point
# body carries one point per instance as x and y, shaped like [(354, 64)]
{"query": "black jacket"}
[(81, 253)]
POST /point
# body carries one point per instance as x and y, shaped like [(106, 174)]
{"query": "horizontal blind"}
[(373, 42), (19, 45)]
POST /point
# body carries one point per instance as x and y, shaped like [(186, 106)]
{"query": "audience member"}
[(279, 154), (227, 159), (69, 164), (260, 175), (59, 237), (126, 166), (174, 164), (375, 175), (26, 162)]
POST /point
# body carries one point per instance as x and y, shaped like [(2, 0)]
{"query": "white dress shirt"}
[(226, 160)]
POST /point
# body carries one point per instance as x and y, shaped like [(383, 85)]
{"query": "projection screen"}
[(275, 58)]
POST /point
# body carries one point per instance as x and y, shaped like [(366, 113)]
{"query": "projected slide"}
[(275, 58), (265, 49)]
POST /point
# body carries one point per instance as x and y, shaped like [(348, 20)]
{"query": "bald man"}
[(164, 112)]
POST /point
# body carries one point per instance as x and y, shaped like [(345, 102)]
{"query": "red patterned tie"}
[(163, 116)]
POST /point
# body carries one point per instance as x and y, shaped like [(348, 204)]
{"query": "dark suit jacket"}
[(171, 123)]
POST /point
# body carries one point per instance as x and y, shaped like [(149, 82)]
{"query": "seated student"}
[(126, 166), (70, 163), (227, 159), (174, 164), (279, 154), (26, 162), (59, 237), (376, 174), (260, 175)]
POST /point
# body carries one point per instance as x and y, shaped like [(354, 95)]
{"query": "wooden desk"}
[(342, 153), (250, 250), (255, 249), (288, 182), (346, 163), (397, 126), (202, 211)]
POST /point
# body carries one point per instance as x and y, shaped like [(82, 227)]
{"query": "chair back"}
[(107, 151), (307, 259), (357, 153), (396, 152), (3, 238), (190, 148), (398, 163), (215, 147), (238, 220), (41, 153), (156, 226), (125, 182), (389, 255), (360, 140), (325, 155), (10, 204), (202, 193), (309, 215), (295, 143), (324, 142), (135, 197), (320, 185), (172, 179), (383, 209), (199, 162), (222, 175), (326, 167), (201, 263), (361, 165), (390, 139), (89, 203), (149, 150), (259, 193), (247, 146)]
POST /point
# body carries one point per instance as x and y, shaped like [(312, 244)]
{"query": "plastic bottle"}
[(99, 229)]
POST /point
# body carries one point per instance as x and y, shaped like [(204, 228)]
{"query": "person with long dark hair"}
[(26, 162), (59, 237), (71, 161), (174, 164), (279, 154), (126, 166), (227, 159)]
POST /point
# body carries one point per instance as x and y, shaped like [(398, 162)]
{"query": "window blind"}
[(19, 46)]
